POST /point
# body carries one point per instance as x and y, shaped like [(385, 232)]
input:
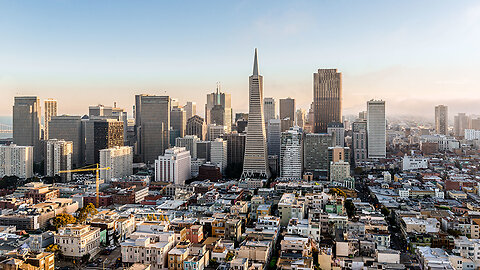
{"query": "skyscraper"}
[(337, 130), (119, 159), (315, 155), (58, 157), (291, 154), (327, 98), (50, 110), (218, 154), (101, 133), (16, 160), (190, 109), (69, 128), (152, 122), (256, 159), (441, 119), (196, 126), (269, 109), (359, 141), (26, 124), (178, 122), (300, 118), (287, 112), (274, 133), (224, 102), (460, 123), (376, 129)]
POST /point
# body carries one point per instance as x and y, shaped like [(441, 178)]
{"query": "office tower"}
[(327, 98), (359, 141), (120, 161), (287, 112), (190, 109), (202, 148), (242, 125), (189, 143), (256, 159), (16, 160), (315, 154), (291, 163), (362, 115), (224, 101), (460, 123), (58, 157), (174, 166), (107, 112), (121, 115), (376, 129), (475, 123), (218, 154), (269, 109), (240, 116), (69, 128), (300, 118), (178, 123), (101, 134), (274, 133), (50, 110), (196, 126), (338, 132), (235, 149), (218, 117), (99, 110), (152, 120), (214, 131), (310, 120), (174, 103), (441, 119), (26, 124)]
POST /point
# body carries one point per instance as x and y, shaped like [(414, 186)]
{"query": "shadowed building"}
[(327, 98)]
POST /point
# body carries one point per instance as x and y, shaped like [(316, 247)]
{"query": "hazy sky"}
[(413, 54)]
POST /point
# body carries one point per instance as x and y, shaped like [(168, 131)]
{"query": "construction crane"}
[(97, 182)]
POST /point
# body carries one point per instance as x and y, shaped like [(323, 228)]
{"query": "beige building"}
[(256, 251), (327, 98), (78, 240), (50, 110), (58, 157), (145, 249), (289, 207), (16, 160), (120, 161)]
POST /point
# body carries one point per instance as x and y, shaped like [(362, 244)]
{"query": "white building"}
[(76, 241), (120, 161), (174, 166), (414, 163), (291, 154), (376, 129), (445, 143), (16, 160), (472, 134), (58, 157), (339, 171), (144, 249), (337, 130), (218, 154)]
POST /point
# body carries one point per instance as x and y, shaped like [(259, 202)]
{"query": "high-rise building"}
[(327, 98), (291, 154), (50, 110), (315, 154), (441, 119), (337, 130), (274, 133), (202, 149), (256, 159), (69, 128), (196, 126), (287, 112), (16, 160), (152, 121), (376, 129), (189, 143), (215, 131), (178, 122), (269, 109), (359, 141), (190, 109), (300, 118), (339, 171), (224, 101), (101, 133), (58, 157), (107, 112), (218, 154), (120, 161), (460, 123), (26, 124), (235, 148), (174, 166)]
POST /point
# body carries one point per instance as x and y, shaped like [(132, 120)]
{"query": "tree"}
[(385, 211), (61, 220), (86, 211), (350, 207)]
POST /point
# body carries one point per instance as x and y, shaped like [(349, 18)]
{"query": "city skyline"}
[(388, 56)]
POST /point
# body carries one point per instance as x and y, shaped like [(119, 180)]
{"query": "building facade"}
[(218, 154), (58, 157), (327, 98), (287, 112), (441, 119), (196, 126), (269, 109), (16, 160), (315, 156), (26, 124), (376, 129), (120, 161), (174, 166), (50, 110), (69, 128), (291, 154)]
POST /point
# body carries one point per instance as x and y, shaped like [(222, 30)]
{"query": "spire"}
[(255, 64)]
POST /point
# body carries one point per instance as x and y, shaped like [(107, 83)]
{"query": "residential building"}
[(376, 129), (441, 119), (75, 241), (16, 161), (58, 157), (120, 161), (50, 110)]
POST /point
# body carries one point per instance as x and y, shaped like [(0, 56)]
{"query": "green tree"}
[(350, 207), (61, 220), (86, 211)]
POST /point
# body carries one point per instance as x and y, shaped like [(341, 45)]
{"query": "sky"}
[(412, 54)]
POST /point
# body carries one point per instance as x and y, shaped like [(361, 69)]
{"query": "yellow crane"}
[(97, 169)]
